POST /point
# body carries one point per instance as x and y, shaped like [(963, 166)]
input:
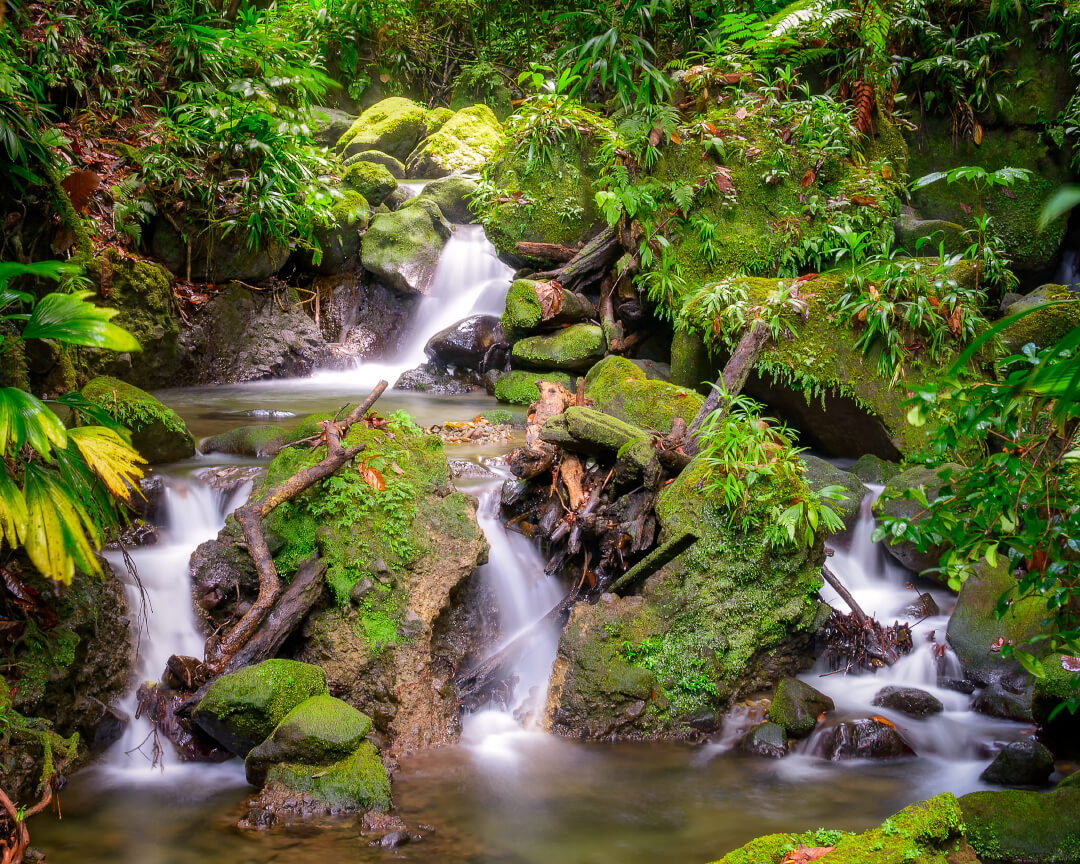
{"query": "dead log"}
[(572, 473), (591, 263), (659, 557), (845, 595), (556, 253), (538, 456), (251, 516), (731, 381)]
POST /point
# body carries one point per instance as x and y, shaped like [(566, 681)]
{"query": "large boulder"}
[(796, 706), (623, 389), (466, 343), (339, 236), (157, 431), (820, 474), (356, 783), (402, 248), (463, 143), (892, 505), (329, 124), (1016, 827), (870, 738), (1060, 683), (525, 314), (318, 731), (395, 166), (573, 349), (1045, 326), (393, 126), (242, 708), (243, 335), (452, 194), (217, 254), (518, 387), (908, 700), (374, 182)]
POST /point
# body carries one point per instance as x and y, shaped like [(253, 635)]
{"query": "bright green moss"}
[(463, 143), (157, 431), (358, 782), (258, 441), (1048, 324), (572, 349), (1008, 826), (621, 388), (522, 313), (519, 387), (393, 126), (373, 182)]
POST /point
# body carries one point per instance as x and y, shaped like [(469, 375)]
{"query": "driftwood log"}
[(556, 253)]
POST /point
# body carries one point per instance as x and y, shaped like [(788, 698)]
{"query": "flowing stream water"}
[(508, 792)]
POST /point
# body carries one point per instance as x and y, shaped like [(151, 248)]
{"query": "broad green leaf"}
[(1030, 663), (56, 540), (12, 510), (1063, 201), (40, 269), (70, 318), (114, 461), (991, 555), (927, 179), (25, 420)]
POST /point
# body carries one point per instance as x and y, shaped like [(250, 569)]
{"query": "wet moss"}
[(1017, 826), (622, 388), (463, 143), (574, 348), (519, 387), (393, 126), (1048, 324), (258, 441), (373, 182), (358, 782), (157, 431), (522, 313)]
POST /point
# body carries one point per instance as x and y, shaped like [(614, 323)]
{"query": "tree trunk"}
[(553, 252), (588, 265)]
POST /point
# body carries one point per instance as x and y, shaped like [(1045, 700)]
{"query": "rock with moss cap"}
[(891, 505), (765, 739), (157, 431), (463, 143), (259, 441), (372, 181), (395, 166), (402, 248), (318, 731), (242, 708), (573, 349), (623, 389), (821, 474), (452, 195), (492, 92), (1059, 314), (796, 707), (927, 832), (437, 118), (518, 387), (393, 126), (356, 783), (1060, 683), (339, 236), (1017, 827)]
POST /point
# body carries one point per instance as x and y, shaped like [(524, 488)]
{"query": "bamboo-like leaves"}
[(25, 420), (13, 514), (110, 457), (56, 535), (70, 318)]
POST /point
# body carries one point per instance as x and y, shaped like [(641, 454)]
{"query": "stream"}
[(507, 792)]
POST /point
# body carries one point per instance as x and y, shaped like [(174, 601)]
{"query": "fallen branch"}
[(839, 588), (659, 557), (251, 516), (591, 262), (556, 253)]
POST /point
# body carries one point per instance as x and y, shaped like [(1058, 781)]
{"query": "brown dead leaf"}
[(740, 114), (655, 136), (372, 477), (676, 138), (80, 187), (808, 178), (863, 200), (723, 181), (550, 295), (1070, 664), (977, 134), (806, 853), (883, 721)]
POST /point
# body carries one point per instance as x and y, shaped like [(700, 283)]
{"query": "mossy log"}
[(590, 264)]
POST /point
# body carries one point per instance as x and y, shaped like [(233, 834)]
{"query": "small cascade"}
[(469, 280), (193, 513), (525, 593)]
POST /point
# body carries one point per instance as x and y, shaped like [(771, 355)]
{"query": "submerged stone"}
[(865, 739), (357, 782), (765, 739)]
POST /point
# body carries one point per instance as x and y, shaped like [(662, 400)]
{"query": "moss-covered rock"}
[(727, 618), (329, 124), (242, 708), (157, 431), (873, 469), (623, 389), (373, 181), (463, 143), (217, 254), (590, 430), (258, 441), (796, 707), (1048, 324), (452, 195), (1059, 684), (573, 349), (1016, 827), (402, 248), (495, 95), (522, 313), (437, 118), (820, 474), (358, 782), (518, 387), (765, 739), (395, 166), (892, 506), (318, 731), (393, 126), (339, 236), (927, 832)]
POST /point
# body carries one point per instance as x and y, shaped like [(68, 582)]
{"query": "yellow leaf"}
[(12, 510), (56, 539), (115, 462)]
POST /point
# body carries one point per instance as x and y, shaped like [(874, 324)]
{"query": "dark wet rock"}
[(468, 468), (958, 685), (909, 700), (929, 481), (925, 606), (796, 707), (339, 236), (148, 505), (430, 378), (394, 839), (329, 124), (1021, 763), (465, 343), (157, 432), (1019, 826), (997, 700), (765, 739), (160, 703), (368, 320), (242, 335), (865, 739), (217, 256), (229, 479), (109, 729), (821, 474)]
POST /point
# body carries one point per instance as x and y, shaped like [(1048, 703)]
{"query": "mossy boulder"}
[(157, 431), (463, 143), (623, 389), (915, 235), (217, 254), (518, 387), (1059, 684), (589, 430), (975, 628), (1045, 326), (402, 248), (573, 349), (258, 441), (891, 505), (356, 783), (329, 124), (873, 469), (374, 182), (820, 473), (452, 194), (495, 95), (796, 706), (437, 118), (1016, 827), (339, 236), (242, 708), (142, 295), (393, 126), (318, 731), (927, 832), (1020, 763), (727, 618), (395, 166), (522, 313)]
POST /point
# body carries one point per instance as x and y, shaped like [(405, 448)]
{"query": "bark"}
[(14, 838), (251, 516), (553, 252), (731, 381), (572, 473), (538, 456), (656, 559), (591, 263), (839, 588)]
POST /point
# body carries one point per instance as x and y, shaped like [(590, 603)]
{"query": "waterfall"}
[(192, 513)]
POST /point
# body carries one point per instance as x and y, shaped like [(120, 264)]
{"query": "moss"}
[(452, 195), (157, 431), (13, 368), (796, 706), (1056, 686), (242, 708), (463, 143), (596, 429), (872, 469), (498, 416), (496, 96), (622, 388), (691, 365), (257, 441), (573, 349), (522, 313), (402, 248), (519, 387), (436, 119), (374, 182), (358, 782), (1016, 826), (395, 166), (1048, 324), (392, 126)]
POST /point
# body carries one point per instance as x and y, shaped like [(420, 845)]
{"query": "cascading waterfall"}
[(192, 513)]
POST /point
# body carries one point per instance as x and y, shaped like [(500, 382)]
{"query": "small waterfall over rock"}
[(192, 513)]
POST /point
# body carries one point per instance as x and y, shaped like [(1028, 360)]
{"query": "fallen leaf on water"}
[(883, 721), (806, 853)]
